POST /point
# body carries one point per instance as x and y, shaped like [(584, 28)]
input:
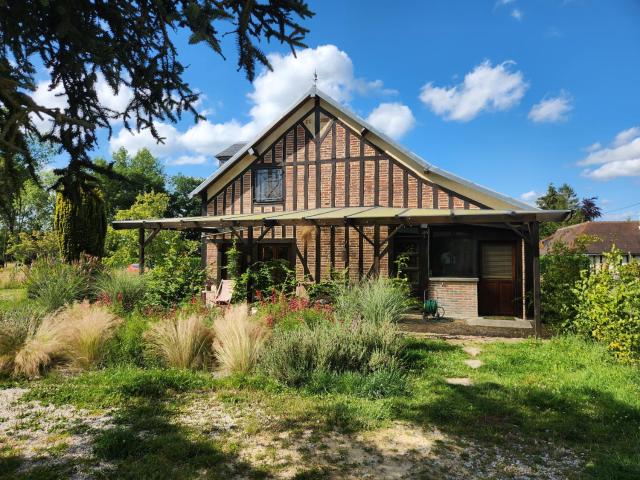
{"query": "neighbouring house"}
[(325, 191), (624, 235)]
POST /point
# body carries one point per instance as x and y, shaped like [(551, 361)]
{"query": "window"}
[(452, 256), (268, 185), (274, 251)]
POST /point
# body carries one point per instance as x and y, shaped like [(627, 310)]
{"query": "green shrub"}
[(54, 284), (560, 270), (126, 347), (375, 300), (265, 278), (122, 289), (177, 277), (608, 306), (293, 356)]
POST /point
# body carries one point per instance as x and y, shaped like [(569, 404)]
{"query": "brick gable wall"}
[(337, 169)]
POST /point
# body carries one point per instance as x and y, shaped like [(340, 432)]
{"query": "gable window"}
[(268, 185)]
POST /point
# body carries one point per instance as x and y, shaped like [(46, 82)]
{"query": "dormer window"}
[(267, 187)]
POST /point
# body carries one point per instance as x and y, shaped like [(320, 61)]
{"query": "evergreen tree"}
[(565, 198), (80, 222), (126, 44)]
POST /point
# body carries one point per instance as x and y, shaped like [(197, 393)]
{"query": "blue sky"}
[(511, 94)]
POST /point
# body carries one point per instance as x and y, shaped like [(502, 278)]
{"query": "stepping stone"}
[(473, 363), (464, 381), (473, 351)]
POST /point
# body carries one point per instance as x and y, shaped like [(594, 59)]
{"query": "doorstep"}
[(500, 323)]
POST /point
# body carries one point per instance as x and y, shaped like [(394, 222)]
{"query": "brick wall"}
[(458, 298)]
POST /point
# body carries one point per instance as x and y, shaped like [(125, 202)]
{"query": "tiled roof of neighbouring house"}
[(625, 236)]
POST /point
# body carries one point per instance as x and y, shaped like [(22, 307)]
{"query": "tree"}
[(589, 210), (122, 245), (124, 44), (565, 198), (80, 222), (180, 205), (142, 173)]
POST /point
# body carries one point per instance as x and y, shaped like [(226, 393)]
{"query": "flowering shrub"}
[(277, 310)]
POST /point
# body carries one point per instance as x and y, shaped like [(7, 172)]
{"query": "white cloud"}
[(504, 2), (517, 14), (273, 92), (188, 160), (393, 119), (626, 136), (530, 197), (484, 88), (56, 98), (620, 159), (551, 110)]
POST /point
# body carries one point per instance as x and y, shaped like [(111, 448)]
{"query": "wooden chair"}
[(224, 292)]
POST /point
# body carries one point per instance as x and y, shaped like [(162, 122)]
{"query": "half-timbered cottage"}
[(327, 192)]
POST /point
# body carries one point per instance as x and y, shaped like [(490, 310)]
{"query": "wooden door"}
[(497, 286)]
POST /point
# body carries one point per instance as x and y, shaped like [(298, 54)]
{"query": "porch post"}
[(376, 249), (141, 242), (249, 256), (535, 249)]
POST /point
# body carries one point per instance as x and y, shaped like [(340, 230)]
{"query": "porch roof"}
[(348, 215)]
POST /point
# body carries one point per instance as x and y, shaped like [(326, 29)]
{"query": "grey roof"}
[(230, 151), (314, 91), (354, 215)]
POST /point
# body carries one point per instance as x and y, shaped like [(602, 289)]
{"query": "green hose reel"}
[(430, 306)]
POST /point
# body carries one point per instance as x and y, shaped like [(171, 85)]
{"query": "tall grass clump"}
[(54, 284), (12, 276), (122, 289), (376, 300), (180, 342), (42, 345), (84, 331), (238, 340), (16, 325)]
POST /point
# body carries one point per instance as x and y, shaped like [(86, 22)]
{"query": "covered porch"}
[(451, 252)]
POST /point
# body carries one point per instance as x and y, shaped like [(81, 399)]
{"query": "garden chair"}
[(224, 293)]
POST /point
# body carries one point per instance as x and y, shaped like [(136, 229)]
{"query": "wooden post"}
[(535, 249), (249, 246), (376, 250), (141, 242)]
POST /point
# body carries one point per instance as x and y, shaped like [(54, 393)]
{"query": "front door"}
[(409, 254), (497, 286)]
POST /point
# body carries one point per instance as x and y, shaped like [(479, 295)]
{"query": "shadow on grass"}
[(146, 441), (583, 418)]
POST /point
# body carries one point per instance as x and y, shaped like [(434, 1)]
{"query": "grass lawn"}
[(12, 296), (561, 403)]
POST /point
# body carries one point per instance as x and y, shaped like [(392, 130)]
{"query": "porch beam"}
[(390, 236), (237, 235), (362, 234), (151, 236), (264, 233)]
